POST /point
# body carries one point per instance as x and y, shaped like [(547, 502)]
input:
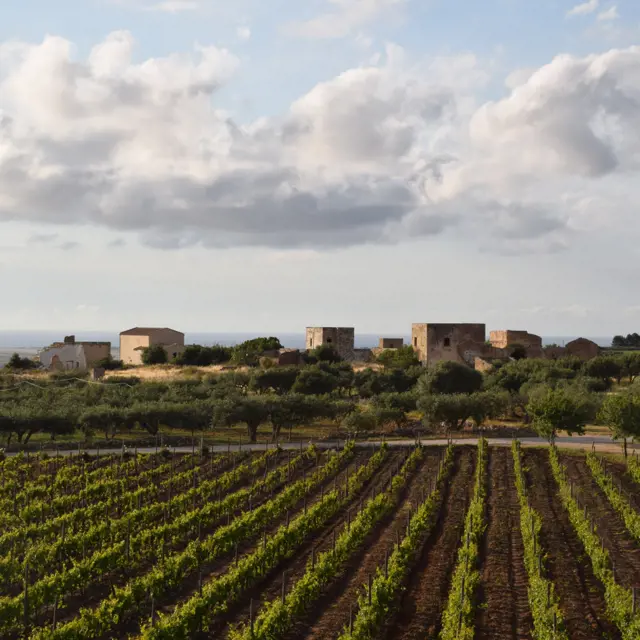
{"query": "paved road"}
[(602, 443)]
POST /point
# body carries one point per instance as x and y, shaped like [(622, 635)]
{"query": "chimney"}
[(69, 339)]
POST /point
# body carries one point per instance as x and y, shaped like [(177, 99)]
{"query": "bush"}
[(155, 354), (452, 377), (16, 363)]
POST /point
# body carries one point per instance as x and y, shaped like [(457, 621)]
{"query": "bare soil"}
[(420, 613), (503, 605), (331, 613), (623, 550), (580, 593)]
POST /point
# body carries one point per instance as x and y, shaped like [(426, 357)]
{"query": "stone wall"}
[(391, 343), (441, 342), (582, 348), (342, 339)]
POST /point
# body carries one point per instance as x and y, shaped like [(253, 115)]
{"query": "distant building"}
[(582, 348), (391, 343), (441, 342), (506, 339), (134, 341), (70, 355), (342, 339)]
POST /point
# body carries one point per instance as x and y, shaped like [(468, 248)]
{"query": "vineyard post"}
[(236, 554), (26, 599), (313, 562), (284, 585), (55, 611), (461, 605), (153, 611), (386, 563)]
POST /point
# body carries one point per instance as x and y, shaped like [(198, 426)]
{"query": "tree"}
[(621, 413), (326, 353), (315, 381), (561, 408), (402, 358), (109, 364), (603, 367), (155, 354), (196, 355), (630, 340), (251, 411), (488, 404), (450, 410), (292, 410), (278, 379), (631, 365), (451, 377), (16, 363), (359, 422), (248, 352)]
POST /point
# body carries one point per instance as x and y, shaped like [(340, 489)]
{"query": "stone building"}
[(457, 342), (134, 341), (70, 355), (582, 348), (342, 339), (506, 339), (391, 343)]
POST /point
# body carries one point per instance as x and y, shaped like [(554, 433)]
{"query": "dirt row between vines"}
[(623, 549), (503, 603), (271, 586), (331, 613), (622, 480), (580, 593), (420, 611)]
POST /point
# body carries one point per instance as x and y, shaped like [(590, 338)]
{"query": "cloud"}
[(584, 9), (69, 245), (42, 238), (243, 33), (117, 243), (379, 154), (343, 19), (166, 6), (609, 14)]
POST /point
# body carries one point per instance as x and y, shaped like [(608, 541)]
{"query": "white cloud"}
[(243, 33), (609, 14), (345, 17), (384, 153), (584, 9)]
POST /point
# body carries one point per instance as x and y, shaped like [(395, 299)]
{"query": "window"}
[(328, 340), (415, 342), (310, 343), (447, 342)]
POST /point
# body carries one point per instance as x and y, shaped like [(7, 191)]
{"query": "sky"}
[(256, 166)]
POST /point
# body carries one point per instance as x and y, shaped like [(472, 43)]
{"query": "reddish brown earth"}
[(622, 548), (331, 613), (503, 604), (420, 613), (580, 593), (271, 586)]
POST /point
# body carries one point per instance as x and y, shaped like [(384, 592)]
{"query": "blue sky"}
[(257, 166)]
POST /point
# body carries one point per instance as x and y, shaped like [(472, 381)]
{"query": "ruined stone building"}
[(391, 343), (70, 355), (134, 341), (457, 342), (341, 339), (509, 339)]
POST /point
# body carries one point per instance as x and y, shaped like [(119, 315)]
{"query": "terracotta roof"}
[(144, 331)]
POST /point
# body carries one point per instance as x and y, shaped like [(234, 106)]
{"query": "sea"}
[(29, 343)]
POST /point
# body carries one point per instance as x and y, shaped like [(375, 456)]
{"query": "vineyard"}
[(358, 543)]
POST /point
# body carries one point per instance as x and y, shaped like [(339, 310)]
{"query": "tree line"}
[(549, 395)]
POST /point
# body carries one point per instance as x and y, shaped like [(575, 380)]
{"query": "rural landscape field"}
[(361, 541)]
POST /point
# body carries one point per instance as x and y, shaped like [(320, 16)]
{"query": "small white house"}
[(71, 355)]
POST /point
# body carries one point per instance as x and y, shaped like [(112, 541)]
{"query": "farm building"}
[(134, 341)]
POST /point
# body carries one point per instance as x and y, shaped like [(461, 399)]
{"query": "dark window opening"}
[(328, 340), (415, 342), (447, 342)]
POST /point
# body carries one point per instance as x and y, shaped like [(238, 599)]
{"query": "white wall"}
[(71, 356)]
